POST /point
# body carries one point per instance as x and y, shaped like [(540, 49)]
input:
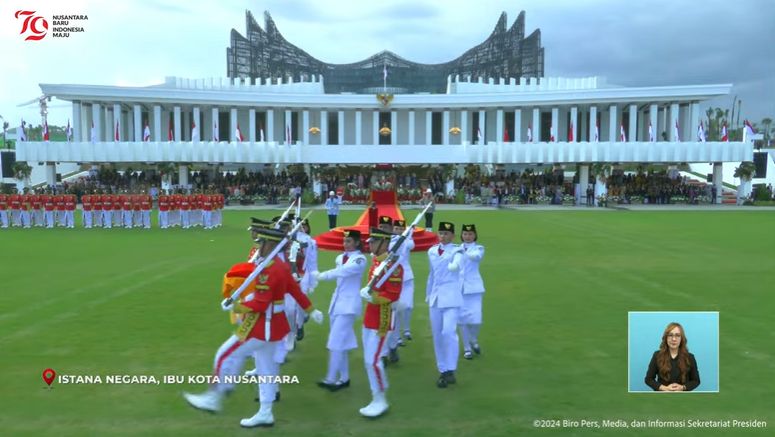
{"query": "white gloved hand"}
[(315, 275), (453, 267), (366, 294), (225, 306), (316, 316), (296, 277)]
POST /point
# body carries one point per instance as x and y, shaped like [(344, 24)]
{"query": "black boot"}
[(449, 376), (393, 355), (441, 382), (300, 333)]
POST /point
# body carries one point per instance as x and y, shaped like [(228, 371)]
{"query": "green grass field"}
[(559, 286)]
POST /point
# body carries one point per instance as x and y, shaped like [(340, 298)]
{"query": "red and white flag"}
[(45, 131), (748, 130), (676, 136), (238, 134), (69, 132), (288, 138), (147, 133), (530, 133), (652, 138), (701, 133), (551, 134), (622, 135), (724, 134), (171, 134), (570, 133), (215, 131), (506, 136), (116, 137)]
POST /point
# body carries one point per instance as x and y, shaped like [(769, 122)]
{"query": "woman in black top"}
[(672, 367)]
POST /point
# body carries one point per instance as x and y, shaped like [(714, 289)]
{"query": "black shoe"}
[(393, 356), (277, 396), (300, 334), (476, 349), (385, 361), (326, 385), (468, 355), (441, 382), (340, 385), (449, 376), (408, 335)]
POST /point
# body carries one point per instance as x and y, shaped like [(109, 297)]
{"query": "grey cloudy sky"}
[(632, 43)]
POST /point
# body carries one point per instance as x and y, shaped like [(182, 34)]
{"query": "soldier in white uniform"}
[(444, 297), (345, 307), (473, 291), (406, 302)]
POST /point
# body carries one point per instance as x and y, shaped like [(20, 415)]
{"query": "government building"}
[(279, 105)]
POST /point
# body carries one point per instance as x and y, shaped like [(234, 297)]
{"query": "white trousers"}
[(164, 221), (341, 336), (107, 218), (49, 219), (184, 219), (70, 219), (445, 340), (4, 218), (146, 214), (373, 346), (231, 357), (127, 218), (25, 216)]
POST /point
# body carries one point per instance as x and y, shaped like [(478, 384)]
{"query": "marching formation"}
[(269, 301), (100, 210)]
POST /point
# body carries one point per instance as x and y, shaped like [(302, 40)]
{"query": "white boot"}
[(377, 407), (208, 401), (264, 417)]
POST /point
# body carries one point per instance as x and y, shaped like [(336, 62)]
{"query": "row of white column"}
[(106, 119)]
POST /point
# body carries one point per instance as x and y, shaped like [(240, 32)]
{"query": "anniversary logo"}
[(35, 27)]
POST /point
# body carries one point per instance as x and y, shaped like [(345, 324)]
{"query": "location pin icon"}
[(49, 375)]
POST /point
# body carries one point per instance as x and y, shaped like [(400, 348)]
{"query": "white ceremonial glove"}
[(226, 307), (453, 267), (366, 294), (316, 316), (296, 277), (471, 255), (315, 275)]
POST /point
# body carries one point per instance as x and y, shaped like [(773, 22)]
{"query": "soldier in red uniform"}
[(70, 210), (263, 326), (146, 203), (26, 205), (3, 210), (107, 211), (137, 207), (185, 206), (49, 205), (126, 209), (86, 207), (164, 211), (207, 211), (117, 209), (16, 209), (37, 210), (97, 209), (378, 319)]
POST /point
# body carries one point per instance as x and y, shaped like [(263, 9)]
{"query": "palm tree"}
[(766, 122), (745, 171)]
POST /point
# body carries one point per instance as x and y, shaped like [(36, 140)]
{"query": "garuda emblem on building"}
[(385, 98)]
